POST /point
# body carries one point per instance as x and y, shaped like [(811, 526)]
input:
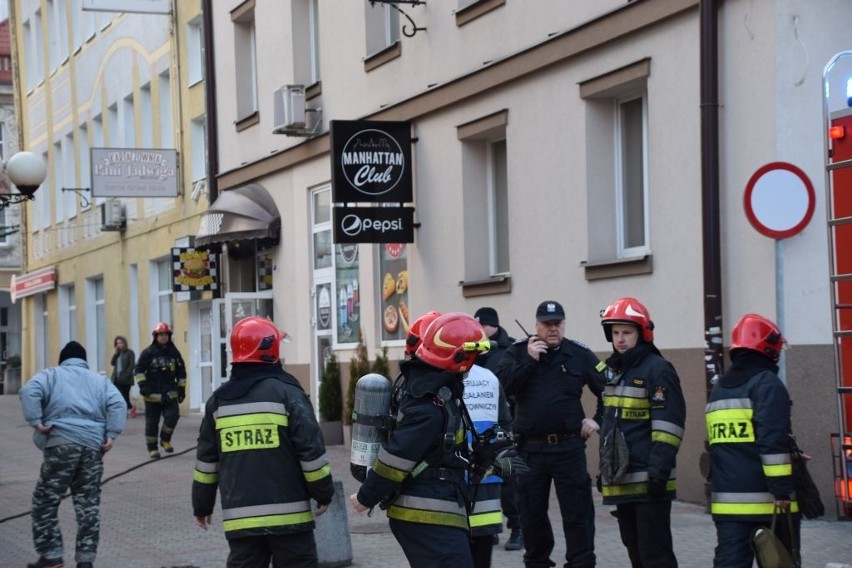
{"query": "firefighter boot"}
[(516, 540), (167, 446), (152, 447)]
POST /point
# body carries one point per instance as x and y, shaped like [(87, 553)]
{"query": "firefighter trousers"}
[(427, 546), (169, 410)]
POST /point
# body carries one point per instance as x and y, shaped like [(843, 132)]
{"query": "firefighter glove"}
[(657, 488), (181, 394), (508, 463)]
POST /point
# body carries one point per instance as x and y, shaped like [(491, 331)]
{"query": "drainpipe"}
[(211, 112), (709, 71)]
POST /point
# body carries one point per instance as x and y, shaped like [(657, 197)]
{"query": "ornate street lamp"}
[(26, 171)]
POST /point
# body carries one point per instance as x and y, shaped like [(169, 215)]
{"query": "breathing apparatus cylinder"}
[(370, 422)]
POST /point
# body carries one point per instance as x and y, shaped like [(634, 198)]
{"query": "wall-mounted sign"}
[(371, 162), (134, 172), (41, 280), (373, 224), (193, 270)]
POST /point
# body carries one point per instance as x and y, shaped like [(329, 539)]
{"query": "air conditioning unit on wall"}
[(289, 112), (112, 216)]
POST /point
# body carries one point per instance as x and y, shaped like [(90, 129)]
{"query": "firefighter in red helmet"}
[(643, 421), (161, 375), (748, 430), (419, 474), (260, 445)]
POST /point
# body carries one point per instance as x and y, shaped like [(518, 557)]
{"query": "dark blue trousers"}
[(566, 469), (430, 546)]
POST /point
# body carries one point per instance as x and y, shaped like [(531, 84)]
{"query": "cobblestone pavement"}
[(146, 516)]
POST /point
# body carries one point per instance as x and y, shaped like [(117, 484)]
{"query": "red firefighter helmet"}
[(161, 327), (256, 340), (628, 311), (416, 331), (452, 342), (759, 334)]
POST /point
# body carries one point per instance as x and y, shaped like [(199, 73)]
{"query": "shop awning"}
[(248, 212)]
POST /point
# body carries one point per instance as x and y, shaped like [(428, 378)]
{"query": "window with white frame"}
[(167, 134), (305, 32), (245, 58), (146, 119), (198, 145), (58, 179), (61, 7), (382, 26), (617, 165), (5, 230), (96, 313), (485, 181), (195, 51), (162, 287), (42, 331), (111, 137), (85, 158), (67, 314), (52, 36), (69, 176), (129, 122)]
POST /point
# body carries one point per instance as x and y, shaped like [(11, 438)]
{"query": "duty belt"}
[(551, 439)]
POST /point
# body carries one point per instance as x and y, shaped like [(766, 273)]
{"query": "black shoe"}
[(516, 540), (85, 565), (46, 563), (495, 540)]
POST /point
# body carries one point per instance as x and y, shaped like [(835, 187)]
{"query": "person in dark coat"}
[(260, 445), (748, 429), (161, 376), (123, 365), (546, 373), (644, 414)]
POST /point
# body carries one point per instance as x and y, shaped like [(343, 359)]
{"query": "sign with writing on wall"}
[(134, 172), (373, 224), (194, 270), (371, 161)]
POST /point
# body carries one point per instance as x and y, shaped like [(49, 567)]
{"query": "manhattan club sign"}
[(371, 163)]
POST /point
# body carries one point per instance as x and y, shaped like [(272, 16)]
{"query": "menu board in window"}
[(347, 297), (393, 281)]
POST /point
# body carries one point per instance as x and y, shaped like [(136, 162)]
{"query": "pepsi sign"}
[(371, 161), (373, 224)]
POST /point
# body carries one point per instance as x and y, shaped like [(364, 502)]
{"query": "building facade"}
[(110, 92), (557, 154)]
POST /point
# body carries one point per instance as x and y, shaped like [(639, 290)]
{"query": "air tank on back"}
[(370, 422)]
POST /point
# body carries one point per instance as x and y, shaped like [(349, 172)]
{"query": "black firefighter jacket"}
[(261, 446), (161, 373), (643, 398), (748, 427), (419, 470)]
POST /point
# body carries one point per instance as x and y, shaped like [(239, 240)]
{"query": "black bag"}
[(807, 494), (768, 550)]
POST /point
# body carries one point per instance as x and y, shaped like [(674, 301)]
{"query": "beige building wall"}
[(78, 99)]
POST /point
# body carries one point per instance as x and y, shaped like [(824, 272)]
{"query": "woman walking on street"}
[(123, 363)]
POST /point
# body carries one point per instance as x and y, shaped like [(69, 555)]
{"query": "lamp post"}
[(26, 171)]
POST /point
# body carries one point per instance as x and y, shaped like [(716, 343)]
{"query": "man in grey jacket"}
[(77, 414)]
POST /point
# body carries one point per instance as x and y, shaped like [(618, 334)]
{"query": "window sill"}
[(501, 284), (475, 10), (248, 121), (384, 56), (618, 267)]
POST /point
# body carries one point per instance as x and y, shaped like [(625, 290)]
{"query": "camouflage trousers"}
[(79, 469)]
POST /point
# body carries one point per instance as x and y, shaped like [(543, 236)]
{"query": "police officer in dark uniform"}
[(546, 374), (419, 474)]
